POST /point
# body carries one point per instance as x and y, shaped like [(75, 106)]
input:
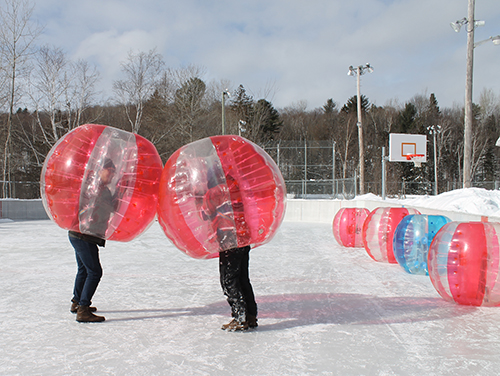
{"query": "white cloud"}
[(304, 48)]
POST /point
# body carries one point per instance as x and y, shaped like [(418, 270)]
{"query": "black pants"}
[(233, 268)]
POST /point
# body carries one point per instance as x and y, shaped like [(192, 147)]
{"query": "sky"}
[(290, 52)]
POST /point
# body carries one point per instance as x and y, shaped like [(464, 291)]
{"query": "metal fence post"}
[(383, 172), (334, 191), (305, 168), (278, 154), (355, 183)]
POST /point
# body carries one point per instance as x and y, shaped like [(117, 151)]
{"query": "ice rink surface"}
[(323, 310)]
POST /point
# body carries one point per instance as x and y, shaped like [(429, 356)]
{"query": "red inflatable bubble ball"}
[(220, 193), (348, 226), (464, 263), (102, 181), (378, 232)]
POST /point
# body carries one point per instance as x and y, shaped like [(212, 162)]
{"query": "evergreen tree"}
[(191, 93), (351, 107), (406, 121), (242, 105), (431, 121), (407, 124), (329, 107), (433, 105), (266, 120)]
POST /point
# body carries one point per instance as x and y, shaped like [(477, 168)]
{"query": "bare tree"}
[(61, 89), (483, 131), (295, 123), (142, 71), (49, 87), (176, 112), (189, 103), (83, 93), (489, 103), (215, 88), (17, 36)]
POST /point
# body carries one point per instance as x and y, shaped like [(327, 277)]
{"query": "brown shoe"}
[(84, 315), (252, 322), (74, 307), (234, 325)]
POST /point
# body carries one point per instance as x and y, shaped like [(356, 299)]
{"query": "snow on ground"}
[(468, 200), (323, 309)]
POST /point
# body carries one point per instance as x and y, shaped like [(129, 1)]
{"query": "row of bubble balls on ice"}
[(212, 195), (461, 258)]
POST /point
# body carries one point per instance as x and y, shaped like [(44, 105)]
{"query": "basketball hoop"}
[(417, 159)]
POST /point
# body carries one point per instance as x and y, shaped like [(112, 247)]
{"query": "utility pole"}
[(358, 71), (468, 96)]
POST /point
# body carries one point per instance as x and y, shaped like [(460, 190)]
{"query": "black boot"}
[(252, 321), (84, 314)]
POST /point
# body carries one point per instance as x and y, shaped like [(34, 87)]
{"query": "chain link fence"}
[(344, 189), (25, 190), (309, 171)]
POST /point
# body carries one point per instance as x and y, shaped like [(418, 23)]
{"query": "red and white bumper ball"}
[(71, 177), (378, 232), (220, 193), (348, 226), (464, 263)]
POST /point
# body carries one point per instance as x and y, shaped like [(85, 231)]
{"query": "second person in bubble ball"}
[(224, 208)]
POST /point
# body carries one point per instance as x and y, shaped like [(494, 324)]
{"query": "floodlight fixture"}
[(241, 126), (224, 93), (495, 40), (457, 25), (360, 70)]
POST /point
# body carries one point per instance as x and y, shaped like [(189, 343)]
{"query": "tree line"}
[(44, 95)]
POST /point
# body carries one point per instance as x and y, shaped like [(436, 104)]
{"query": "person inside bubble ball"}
[(224, 208), (86, 245)]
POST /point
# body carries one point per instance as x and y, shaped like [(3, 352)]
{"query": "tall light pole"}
[(434, 130), (358, 72), (224, 93), (471, 25)]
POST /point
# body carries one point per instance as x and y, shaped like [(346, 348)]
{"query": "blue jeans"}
[(89, 271)]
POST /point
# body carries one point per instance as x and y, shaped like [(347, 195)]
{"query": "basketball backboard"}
[(402, 144)]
